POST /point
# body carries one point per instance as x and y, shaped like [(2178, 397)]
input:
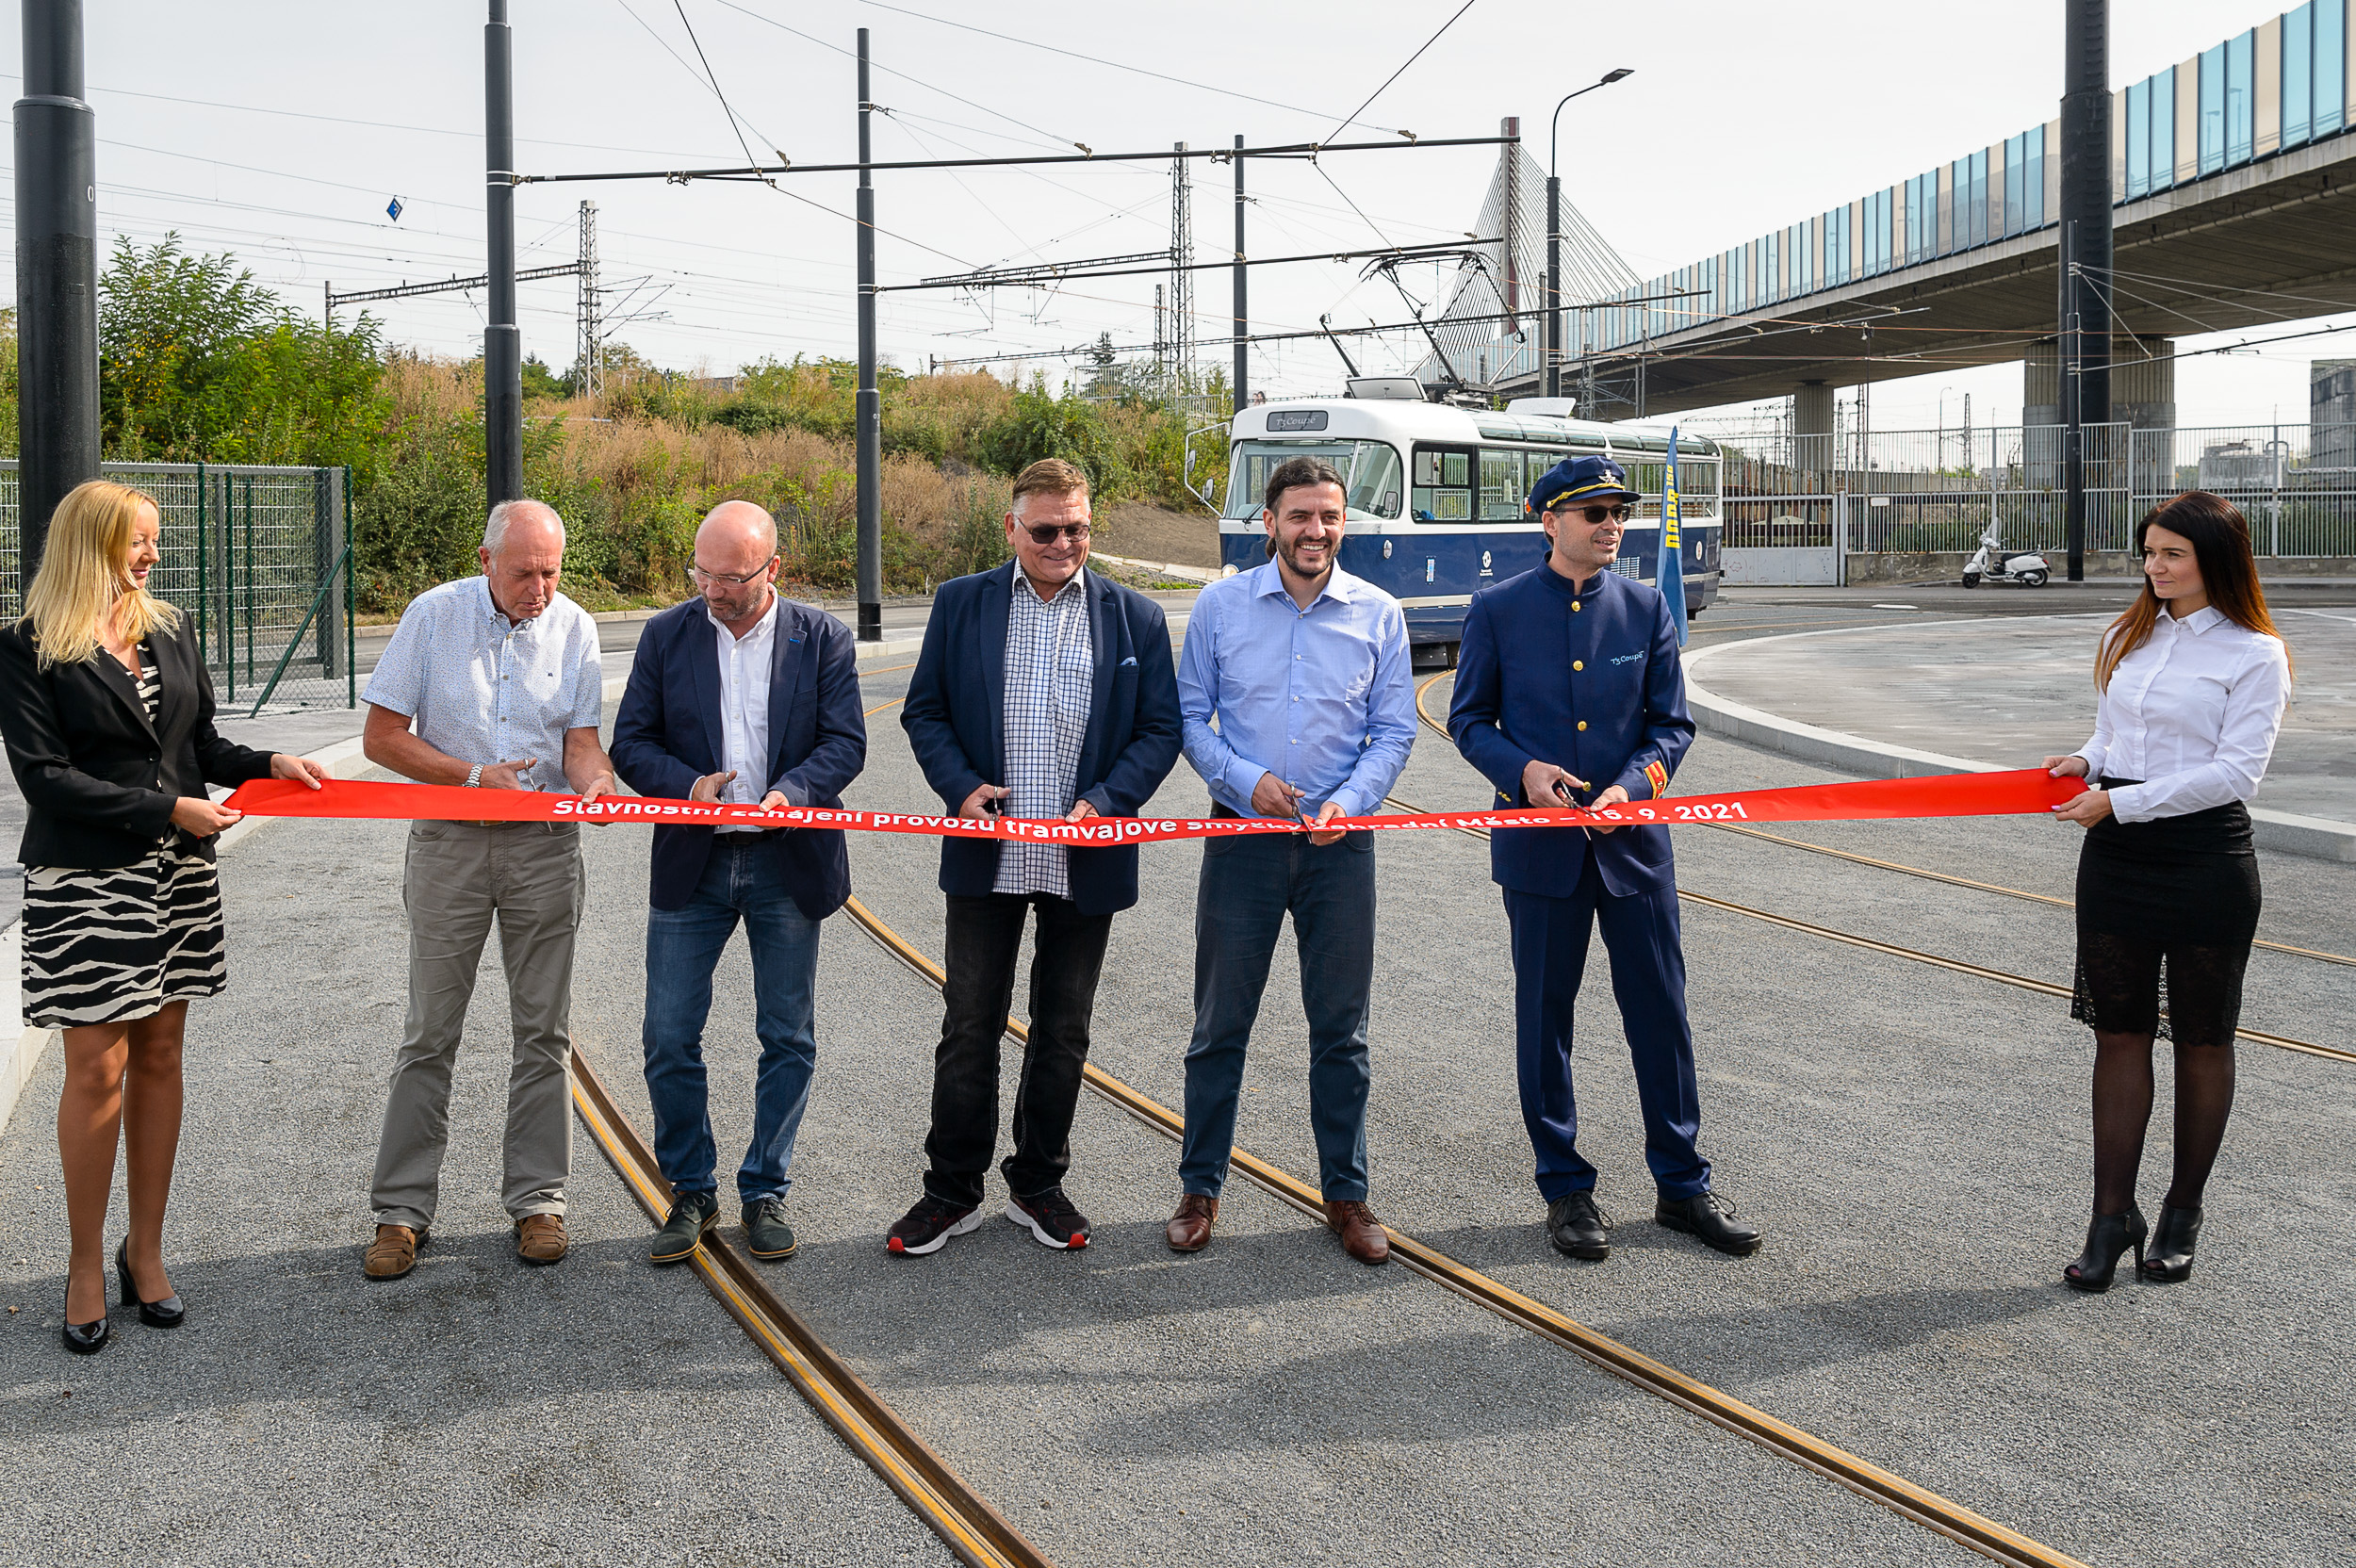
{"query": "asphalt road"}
[(1914, 1142)]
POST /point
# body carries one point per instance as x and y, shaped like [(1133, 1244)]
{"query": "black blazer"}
[(955, 720), (99, 780), (669, 734)]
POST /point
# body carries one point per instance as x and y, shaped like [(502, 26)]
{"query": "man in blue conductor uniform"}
[(1569, 675), (739, 696)]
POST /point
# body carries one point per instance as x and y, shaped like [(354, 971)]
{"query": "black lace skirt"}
[(2167, 905)]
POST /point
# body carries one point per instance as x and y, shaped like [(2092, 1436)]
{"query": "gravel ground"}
[(1914, 1141)]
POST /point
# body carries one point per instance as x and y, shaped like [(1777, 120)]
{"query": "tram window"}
[(1451, 506), (1500, 485), (1369, 471), (1427, 467), (1455, 468)]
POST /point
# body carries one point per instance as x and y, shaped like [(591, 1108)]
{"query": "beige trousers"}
[(458, 877)]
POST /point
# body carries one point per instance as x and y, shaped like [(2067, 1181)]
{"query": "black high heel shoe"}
[(2169, 1257), (2108, 1236), (87, 1339), (166, 1314)]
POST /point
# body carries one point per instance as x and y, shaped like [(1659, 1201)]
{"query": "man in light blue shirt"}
[(1306, 670)]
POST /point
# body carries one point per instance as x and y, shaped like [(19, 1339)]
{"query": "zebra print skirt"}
[(114, 945)]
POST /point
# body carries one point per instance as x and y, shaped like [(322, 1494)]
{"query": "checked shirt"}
[(1051, 689)]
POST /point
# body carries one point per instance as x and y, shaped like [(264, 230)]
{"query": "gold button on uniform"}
[(1582, 724), (1574, 606), (1579, 663)]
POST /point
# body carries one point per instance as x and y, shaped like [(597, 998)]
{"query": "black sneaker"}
[(767, 1236), (1577, 1228), (1710, 1220), (692, 1214), (1052, 1219), (927, 1227)]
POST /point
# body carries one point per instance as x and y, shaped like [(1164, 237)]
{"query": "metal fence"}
[(259, 558), (1922, 491)]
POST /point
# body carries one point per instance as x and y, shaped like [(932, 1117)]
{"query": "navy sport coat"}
[(955, 718), (1584, 677), (669, 734)]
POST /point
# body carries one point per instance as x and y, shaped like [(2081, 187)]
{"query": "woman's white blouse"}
[(2193, 712)]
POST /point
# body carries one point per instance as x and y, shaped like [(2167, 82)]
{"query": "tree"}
[(199, 362)]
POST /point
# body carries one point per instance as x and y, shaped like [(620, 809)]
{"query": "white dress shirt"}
[(744, 706), (2193, 712)]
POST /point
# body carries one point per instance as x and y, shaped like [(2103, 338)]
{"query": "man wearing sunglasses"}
[(1568, 692), (1045, 692), (737, 696)]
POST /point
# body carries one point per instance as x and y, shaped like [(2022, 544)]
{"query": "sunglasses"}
[(1597, 515), (1044, 533)]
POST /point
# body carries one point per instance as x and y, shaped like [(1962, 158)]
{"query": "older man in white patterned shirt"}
[(490, 681)]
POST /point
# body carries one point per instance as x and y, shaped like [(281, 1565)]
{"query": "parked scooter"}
[(1990, 565)]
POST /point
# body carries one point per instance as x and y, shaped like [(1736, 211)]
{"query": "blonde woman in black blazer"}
[(109, 717)]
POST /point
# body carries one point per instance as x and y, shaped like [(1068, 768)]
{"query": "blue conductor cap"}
[(1576, 479)]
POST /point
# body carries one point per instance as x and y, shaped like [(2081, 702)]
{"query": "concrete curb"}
[(2286, 832)]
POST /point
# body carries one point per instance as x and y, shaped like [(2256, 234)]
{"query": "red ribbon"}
[(2025, 791)]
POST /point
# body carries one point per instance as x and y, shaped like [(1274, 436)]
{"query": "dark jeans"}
[(1248, 886), (1641, 933), (985, 938), (683, 947)]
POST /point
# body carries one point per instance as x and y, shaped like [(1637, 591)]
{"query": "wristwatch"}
[(474, 776)]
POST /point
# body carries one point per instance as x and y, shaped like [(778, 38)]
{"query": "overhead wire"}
[(734, 118), (1400, 71)]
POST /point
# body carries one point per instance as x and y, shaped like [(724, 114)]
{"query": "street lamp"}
[(1552, 339)]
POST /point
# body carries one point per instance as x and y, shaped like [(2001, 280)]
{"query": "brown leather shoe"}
[(1189, 1229), (540, 1238), (1362, 1235), (394, 1252)]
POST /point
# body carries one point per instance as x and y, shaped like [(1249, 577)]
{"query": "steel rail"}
[(2045, 988), (1929, 875), (978, 1533), (1868, 1479)]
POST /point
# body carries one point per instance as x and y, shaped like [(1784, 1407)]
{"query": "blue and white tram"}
[(1437, 492)]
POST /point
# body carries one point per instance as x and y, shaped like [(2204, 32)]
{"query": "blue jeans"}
[(1641, 933), (682, 947), (1248, 886)]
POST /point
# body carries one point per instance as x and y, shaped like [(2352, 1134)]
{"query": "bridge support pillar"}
[(2143, 383), (1812, 429)]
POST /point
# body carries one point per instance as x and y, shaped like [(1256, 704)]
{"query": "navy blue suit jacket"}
[(669, 734), (1585, 677), (955, 719)]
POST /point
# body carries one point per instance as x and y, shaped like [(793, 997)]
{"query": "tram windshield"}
[(1369, 470)]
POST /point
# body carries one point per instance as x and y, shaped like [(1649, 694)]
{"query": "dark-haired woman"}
[(109, 717), (2194, 679)]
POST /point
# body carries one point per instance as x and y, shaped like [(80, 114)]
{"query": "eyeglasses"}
[(1044, 533), (1595, 515), (732, 579)]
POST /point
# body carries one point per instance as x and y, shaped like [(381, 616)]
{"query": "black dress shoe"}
[(1710, 1220), (2167, 1259), (2108, 1236), (166, 1314), (1577, 1228)]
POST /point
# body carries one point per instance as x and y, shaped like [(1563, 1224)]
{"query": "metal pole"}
[(2086, 215), (870, 400), (1243, 350), (1552, 336), (502, 340), (56, 274)]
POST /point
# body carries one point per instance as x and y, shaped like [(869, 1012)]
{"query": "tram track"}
[(964, 1520), (1955, 966), (1915, 1503)]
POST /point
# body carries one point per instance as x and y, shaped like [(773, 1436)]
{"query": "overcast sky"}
[(281, 138)]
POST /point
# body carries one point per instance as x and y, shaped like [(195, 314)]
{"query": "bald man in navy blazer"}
[(1568, 692), (740, 695)]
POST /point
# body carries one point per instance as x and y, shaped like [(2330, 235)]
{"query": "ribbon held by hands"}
[(2023, 792)]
